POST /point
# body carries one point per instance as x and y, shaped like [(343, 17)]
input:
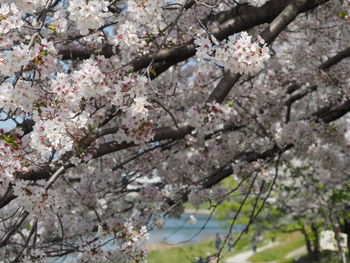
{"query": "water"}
[(178, 230)]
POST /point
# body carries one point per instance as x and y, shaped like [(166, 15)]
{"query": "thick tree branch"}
[(335, 59), (248, 17), (335, 113), (224, 87), (253, 17), (269, 35), (283, 20)]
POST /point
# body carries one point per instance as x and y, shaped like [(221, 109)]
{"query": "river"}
[(178, 230)]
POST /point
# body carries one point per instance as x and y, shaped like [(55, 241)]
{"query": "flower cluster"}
[(10, 159), (133, 247), (146, 11), (127, 37), (23, 97), (49, 135), (88, 82), (212, 116), (44, 58), (10, 18), (35, 199), (132, 238), (12, 61), (30, 6), (129, 87), (238, 53), (88, 14), (198, 196), (130, 97), (59, 22), (299, 133)]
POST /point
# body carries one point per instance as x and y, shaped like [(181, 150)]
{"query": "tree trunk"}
[(307, 241), (345, 228), (316, 241)]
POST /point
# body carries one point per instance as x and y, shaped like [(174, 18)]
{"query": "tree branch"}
[(248, 17), (335, 59)]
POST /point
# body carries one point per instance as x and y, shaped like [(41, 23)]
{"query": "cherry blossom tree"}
[(125, 110), (313, 200)]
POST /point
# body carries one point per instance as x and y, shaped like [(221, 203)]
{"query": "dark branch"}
[(335, 59)]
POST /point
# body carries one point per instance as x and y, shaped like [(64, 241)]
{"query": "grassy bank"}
[(187, 252), (286, 244), (182, 253)]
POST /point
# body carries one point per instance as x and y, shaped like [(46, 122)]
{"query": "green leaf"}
[(39, 104), (10, 141), (230, 103), (342, 14), (51, 27), (153, 72)]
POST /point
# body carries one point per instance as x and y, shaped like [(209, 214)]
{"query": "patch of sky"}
[(7, 124)]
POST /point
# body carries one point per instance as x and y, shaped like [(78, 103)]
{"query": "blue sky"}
[(6, 125)]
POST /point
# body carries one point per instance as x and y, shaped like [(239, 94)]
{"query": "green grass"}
[(186, 253), (286, 244), (181, 254)]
